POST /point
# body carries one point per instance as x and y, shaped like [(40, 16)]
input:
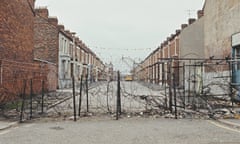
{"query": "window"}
[(71, 50), (63, 69), (62, 45)]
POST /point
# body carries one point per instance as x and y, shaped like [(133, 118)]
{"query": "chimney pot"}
[(191, 21), (200, 14), (183, 26)]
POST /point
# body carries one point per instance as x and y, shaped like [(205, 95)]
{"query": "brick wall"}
[(16, 30), (16, 52), (12, 77), (52, 77), (46, 36)]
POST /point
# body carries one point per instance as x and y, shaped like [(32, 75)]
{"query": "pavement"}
[(234, 123), (6, 125)]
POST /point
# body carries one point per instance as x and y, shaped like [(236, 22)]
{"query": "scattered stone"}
[(169, 116), (57, 128), (72, 117), (156, 116)]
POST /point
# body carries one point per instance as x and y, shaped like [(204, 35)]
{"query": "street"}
[(136, 125), (105, 130), (135, 98), (119, 72)]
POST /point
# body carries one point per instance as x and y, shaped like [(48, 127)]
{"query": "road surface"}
[(106, 130)]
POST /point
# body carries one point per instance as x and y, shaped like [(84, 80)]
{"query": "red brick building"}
[(16, 28), (16, 51), (46, 36)]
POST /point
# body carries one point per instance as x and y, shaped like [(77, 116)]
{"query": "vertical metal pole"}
[(164, 82), (155, 73), (201, 78), (175, 95), (107, 96), (163, 74), (119, 94), (74, 99), (170, 86), (117, 98), (189, 81), (158, 79), (194, 88), (118, 110), (31, 96), (231, 79), (23, 100), (165, 90), (87, 92), (184, 90), (80, 97), (42, 95)]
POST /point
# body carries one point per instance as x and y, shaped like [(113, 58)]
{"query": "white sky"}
[(117, 28)]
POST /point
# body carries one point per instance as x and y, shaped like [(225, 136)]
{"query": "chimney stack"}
[(61, 27), (191, 21), (53, 21), (42, 12), (200, 14), (183, 26), (178, 31)]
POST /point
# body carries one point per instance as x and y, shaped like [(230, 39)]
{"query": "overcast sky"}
[(122, 28)]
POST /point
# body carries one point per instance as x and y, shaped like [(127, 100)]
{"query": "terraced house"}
[(35, 50), (204, 52), (56, 45)]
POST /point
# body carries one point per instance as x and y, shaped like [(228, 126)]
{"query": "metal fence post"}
[(189, 81), (170, 85), (87, 92), (108, 96), (31, 96), (118, 110), (42, 95), (194, 103), (175, 95), (231, 79), (74, 99), (184, 89), (202, 80), (23, 100), (80, 97)]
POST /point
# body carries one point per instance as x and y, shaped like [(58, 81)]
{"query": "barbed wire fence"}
[(198, 87)]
